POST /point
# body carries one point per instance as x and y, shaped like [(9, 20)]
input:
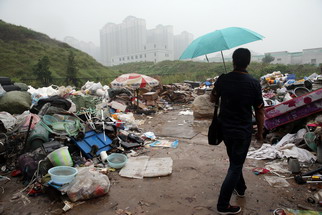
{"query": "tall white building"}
[(123, 40), (181, 42), (130, 41)]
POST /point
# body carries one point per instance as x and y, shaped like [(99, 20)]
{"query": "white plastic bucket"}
[(60, 157)]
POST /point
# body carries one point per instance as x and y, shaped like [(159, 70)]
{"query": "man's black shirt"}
[(239, 92)]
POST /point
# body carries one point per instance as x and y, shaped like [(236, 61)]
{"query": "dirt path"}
[(198, 171)]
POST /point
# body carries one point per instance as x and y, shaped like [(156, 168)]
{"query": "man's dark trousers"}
[(237, 149)]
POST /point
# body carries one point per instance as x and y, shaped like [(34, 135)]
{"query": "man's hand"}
[(213, 95), (259, 115), (259, 137)]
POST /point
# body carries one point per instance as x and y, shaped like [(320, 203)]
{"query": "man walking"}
[(239, 93)]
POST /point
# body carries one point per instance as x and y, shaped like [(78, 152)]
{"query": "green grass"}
[(178, 71), (21, 48)]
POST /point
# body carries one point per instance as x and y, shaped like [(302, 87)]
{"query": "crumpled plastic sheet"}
[(186, 113), (288, 138), (276, 181), (2, 91), (8, 120), (292, 138), (23, 121), (43, 91), (267, 151), (300, 136), (93, 88), (150, 135), (273, 152), (278, 167), (129, 119)]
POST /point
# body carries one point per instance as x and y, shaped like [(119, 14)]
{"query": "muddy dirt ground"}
[(192, 188)]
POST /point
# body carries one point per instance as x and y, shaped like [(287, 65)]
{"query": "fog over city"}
[(290, 25)]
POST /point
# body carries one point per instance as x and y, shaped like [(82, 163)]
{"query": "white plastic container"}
[(60, 157)]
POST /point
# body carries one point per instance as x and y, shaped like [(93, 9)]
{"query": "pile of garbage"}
[(293, 118), (69, 140), (292, 147), (293, 123), (178, 93), (278, 87)]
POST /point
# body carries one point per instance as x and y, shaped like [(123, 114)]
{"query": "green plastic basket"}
[(309, 139), (49, 120)]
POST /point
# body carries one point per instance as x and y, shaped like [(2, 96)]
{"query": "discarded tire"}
[(9, 88), (5, 81)]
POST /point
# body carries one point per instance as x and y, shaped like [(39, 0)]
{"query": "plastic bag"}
[(63, 91), (23, 121), (87, 85), (88, 184), (2, 91), (8, 120), (127, 118), (15, 102), (275, 181), (44, 91), (100, 92), (94, 87), (73, 107)]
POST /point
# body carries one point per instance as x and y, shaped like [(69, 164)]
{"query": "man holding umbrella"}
[(239, 93)]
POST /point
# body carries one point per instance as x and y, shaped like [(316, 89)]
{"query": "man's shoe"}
[(239, 194), (230, 210)]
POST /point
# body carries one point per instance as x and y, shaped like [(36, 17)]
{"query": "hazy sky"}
[(288, 25)]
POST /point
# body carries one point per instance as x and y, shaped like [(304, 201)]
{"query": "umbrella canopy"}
[(134, 81), (220, 40)]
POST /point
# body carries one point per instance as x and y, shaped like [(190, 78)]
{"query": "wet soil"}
[(192, 188)]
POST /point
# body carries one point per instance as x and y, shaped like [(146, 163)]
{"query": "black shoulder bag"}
[(214, 132)]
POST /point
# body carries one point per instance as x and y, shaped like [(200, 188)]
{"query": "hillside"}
[(21, 48), (175, 71)]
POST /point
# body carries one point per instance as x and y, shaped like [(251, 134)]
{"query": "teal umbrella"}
[(220, 40)]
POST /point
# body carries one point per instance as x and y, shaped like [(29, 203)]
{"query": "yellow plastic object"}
[(115, 116)]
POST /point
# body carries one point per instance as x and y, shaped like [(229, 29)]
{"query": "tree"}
[(72, 69), (42, 72), (268, 58)]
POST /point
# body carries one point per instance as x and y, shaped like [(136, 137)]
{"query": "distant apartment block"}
[(181, 41), (131, 41), (87, 47), (307, 56)]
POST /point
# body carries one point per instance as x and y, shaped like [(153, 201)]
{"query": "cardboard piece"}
[(118, 106), (144, 166), (150, 96), (151, 103), (158, 167), (134, 167)]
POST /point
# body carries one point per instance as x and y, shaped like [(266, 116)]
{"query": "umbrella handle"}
[(223, 59), (207, 59), (137, 98)]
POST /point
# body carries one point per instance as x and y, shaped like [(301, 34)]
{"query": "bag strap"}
[(216, 107), (217, 100)]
